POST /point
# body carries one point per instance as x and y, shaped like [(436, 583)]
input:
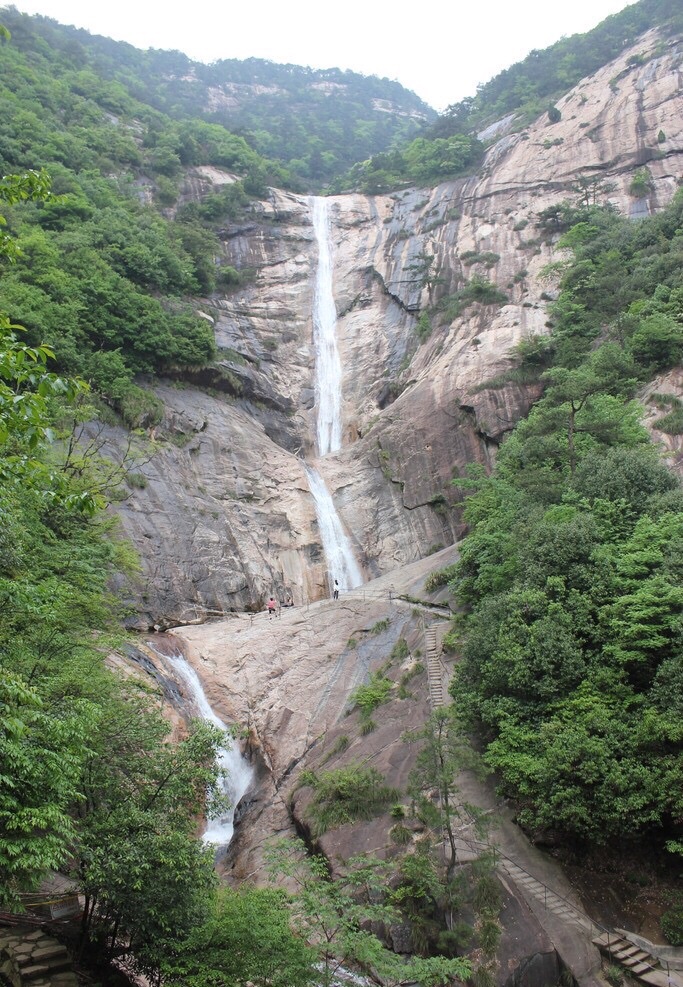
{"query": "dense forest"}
[(315, 123), (570, 581)]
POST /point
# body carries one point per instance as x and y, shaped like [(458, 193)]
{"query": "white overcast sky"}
[(441, 50)]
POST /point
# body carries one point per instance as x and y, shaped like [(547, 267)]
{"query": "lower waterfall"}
[(341, 562), (237, 773)]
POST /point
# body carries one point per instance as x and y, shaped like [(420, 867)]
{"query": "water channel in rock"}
[(341, 562)]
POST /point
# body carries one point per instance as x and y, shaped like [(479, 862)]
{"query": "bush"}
[(400, 650), (423, 327), (440, 578), (346, 795), (671, 921), (641, 183)]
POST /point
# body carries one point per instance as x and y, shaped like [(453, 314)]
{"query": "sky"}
[(441, 51)]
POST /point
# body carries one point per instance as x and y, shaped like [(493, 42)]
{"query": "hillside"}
[(315, 123)]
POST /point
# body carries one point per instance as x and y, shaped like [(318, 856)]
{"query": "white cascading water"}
[(328, 373), (237, 773), (341, 562)]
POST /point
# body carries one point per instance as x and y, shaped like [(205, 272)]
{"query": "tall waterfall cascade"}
[(341, 562), (236, 772), (328, 373)]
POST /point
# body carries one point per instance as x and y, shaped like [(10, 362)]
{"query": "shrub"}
[(423, 327), (400, 834), (400, 650), (487, 896), (614, 975), (136, 480), (346, 795), (368, 697), (641, 184), (671, 921), (554, 115), (489, 936), (440, 578), (412, 673)]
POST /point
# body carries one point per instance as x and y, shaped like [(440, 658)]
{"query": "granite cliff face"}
[(221, 514)]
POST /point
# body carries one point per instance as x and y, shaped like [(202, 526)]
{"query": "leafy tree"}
[(443, 754), (334, 916), (42, 754), (246, 939)]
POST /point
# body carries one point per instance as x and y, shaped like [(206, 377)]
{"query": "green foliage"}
[(443, 753), (441, 577), (487, 259), (380, 626), (571, 576), (371, 695), (400, 650), (423, 327), (641, 183), (476, 290), (245, 939), (335, 918), (301, 126), (423, 162), (671, 921), (346, 795), (42, 752)]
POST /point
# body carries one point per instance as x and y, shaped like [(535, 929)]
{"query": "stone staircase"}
[(553, 902), (637, 962), (434, 670), (31, 958)]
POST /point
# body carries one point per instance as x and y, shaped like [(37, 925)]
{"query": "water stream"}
[(237, 772), (341, 562), (328, 374)]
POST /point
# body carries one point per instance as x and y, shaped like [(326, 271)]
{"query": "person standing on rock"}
[(335, 595), (272, 607)]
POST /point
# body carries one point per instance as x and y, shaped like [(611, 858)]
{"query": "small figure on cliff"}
[(289, 602), (335, 595), (272, 607)]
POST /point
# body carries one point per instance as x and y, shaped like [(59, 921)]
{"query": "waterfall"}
[(341, 562), (237, 773), (327, 362)]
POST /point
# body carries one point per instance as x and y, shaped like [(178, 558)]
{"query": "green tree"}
[(42, 753), (334, 916), (246, 939), (444, 753)]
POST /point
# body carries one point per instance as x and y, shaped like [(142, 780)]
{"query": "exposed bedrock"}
[(225, 517)]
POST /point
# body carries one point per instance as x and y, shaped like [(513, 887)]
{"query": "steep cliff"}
[(224, 515)]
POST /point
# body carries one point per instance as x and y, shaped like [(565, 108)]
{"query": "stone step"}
[(33, 972), (44, 954), (638, 957), (640, 968), (629, 950)]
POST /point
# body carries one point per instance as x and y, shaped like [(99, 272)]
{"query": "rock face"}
[(221, 513)]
